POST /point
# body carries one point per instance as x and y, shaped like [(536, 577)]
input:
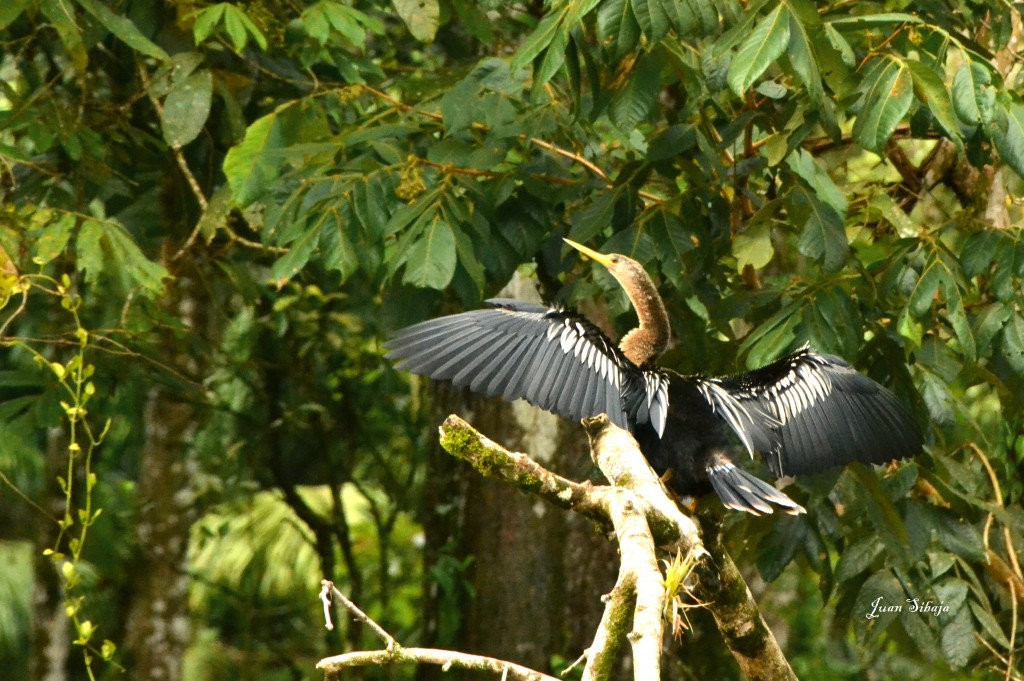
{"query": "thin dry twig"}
[(394, 653), (328, 586), (997, 492), (446, 659), (1013, 629)]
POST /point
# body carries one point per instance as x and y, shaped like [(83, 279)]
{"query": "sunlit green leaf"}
[(104, 247), (421, 17), (11, 10), (753, 246), (432, 257), (760, 49), (54, 237)]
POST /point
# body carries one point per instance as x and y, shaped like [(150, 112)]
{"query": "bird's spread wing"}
[(823, 412), (551, 358)]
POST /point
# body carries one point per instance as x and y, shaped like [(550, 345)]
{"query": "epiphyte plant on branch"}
[(805, 412)]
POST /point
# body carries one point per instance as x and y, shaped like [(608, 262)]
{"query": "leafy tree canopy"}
[(309, 175)]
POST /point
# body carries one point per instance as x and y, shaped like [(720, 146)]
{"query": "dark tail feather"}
[(741, 491)]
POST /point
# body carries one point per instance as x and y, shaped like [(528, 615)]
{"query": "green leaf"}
[(938, 399), (942, 270), (932, 92), (780, 546), (206, 20), (881, 590), (824, 237), (299, 253), (857, 558), (548, 28), (653, 20), (960, 537), (830, 322), (958, 642), (768, 341), (239, 27), (891, 529), (104, 246), (989, 623), (475, 20), (617, 28), (801, 162), (753, 246), (805, 30), (1007, 131), (251, 166), (336, 248), (187, 107), (886, 95), (592, 218), (1013, 343), (988, 322), (951, 592), (554, 58), (421, 17), (760, 49), (634, 101), (11, 10), (63, 21), (979, 251), (431, 259), (123, 28), (468, 259), (53, 238), (694, 16), (971, 84), (859, 23)]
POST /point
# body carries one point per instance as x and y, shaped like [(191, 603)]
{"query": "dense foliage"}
[(213, 212)]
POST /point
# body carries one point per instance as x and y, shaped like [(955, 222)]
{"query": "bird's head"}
[(628, 272), (645, 343)]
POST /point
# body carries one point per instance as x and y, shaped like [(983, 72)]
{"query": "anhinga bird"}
[(804, 413)]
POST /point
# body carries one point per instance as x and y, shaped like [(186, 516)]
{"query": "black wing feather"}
[(824, 413), (551, 358)]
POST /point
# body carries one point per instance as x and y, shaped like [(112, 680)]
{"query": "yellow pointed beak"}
[(599, 258)]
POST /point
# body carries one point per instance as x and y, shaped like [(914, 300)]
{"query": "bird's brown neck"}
[(650, 339)]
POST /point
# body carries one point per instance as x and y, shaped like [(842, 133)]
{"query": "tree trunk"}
[(536, 576), (158, 623)]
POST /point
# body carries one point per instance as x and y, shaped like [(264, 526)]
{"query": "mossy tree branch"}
[(643, 516)]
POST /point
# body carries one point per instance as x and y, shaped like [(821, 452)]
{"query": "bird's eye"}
[(615, 259)]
